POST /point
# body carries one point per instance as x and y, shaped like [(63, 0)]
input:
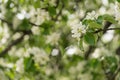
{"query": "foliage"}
[(59, 39)]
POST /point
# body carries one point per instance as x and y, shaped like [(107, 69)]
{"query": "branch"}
[(10, 46), (5, 21), (106, 30), (15, 42), (34, 24), (90, 50)]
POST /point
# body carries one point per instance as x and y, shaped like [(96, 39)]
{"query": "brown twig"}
[(15, 42), (10, 46), (102, 30)]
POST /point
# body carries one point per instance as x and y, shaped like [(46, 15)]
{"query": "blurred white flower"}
[(86, 76), (4, 33), (16, 35), (16, 22), (55, 52), (91, 15), (96, 53), (35, 30), (102, 10), (63, 78), (117, 12), (78, 30), (41, 16), (5, 63), (23, 14), (39, 55), (52, 2), (77, 68), (14, 52), (20, 65), (107, 10), (71, 50), (107, 37), (74, 18), (105, 2), (49, 71), (53, 38), (2, 75)]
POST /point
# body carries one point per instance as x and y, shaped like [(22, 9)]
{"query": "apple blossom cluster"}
[(39, 56), (91, 15), (2, 75), (78, 30), (53, 38), (20, 65)]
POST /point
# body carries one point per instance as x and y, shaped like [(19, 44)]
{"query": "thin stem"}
[(100, 30)]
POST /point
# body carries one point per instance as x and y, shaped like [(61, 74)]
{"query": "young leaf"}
[(94, 25), (90, 38), (109, 18), (29, 64), (100, 20), (52, 11)]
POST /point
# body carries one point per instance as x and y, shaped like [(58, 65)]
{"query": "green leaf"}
[(86, 22), (109, 18), (100, 20), (64, 18), (118, 0), (94, 63), (29, 64), (81, 45), (47, 25), (52, 11), (90, 38), (94, 25), (37, 4), (65, 2), (111, 62), (25, 25)]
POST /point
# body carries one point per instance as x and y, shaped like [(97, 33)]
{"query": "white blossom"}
[(55, 52), (20, 65), (53, 2), (39, 55), (17, 52), (78, 30), (117, 12), (43, 15), (6, 64), (35, 30), (108, 36), (53, 38), (4, 33), (16, 22), (2, 75), (71, 50), (91, 15)]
